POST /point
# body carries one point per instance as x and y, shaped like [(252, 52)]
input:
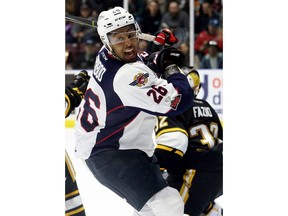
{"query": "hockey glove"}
[(151, 63), (165, 36), (167, 57), (75, 90)]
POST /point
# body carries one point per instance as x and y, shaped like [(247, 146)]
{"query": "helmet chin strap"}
[(111, 52), (114, 55)]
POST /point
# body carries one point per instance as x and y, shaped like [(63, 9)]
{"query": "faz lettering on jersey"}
[(200, 111)]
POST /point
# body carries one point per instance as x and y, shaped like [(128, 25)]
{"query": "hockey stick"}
[(92, 23)]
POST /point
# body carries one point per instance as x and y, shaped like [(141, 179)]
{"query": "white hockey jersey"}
[(121, 101)]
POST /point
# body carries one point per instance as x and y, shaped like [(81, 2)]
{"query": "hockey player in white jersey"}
[(116, 118)]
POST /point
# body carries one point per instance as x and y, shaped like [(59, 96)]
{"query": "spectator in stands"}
[(213, 33), (162, 5), (217, 6), (68, 60), (70, 53), (185, 5), (72, 7), (175, 17), (97, 6), (184, 48), (202, 16), (69, 38), (113, 3), (213, 59), (152, 18), (86, 58), (137, 9), (82, 32)]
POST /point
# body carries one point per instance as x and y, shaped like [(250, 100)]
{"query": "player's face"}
[(124, 43)]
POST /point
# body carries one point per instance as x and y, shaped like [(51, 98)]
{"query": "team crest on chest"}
[(140, 79)]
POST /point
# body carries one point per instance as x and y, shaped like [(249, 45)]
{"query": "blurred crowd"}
[(83, 42)]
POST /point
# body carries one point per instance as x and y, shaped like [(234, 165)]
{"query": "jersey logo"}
[(140, 79), (175, 102)]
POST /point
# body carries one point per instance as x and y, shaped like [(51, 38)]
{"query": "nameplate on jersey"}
[(200, 111), (99, 70)]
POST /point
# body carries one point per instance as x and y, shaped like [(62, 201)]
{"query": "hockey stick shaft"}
[(81, 21), (92, 23)]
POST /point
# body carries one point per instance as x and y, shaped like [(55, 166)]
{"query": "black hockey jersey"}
[(193, 139)]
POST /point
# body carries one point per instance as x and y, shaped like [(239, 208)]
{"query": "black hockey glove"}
[(167, 57), (151, 63), (75, 90)]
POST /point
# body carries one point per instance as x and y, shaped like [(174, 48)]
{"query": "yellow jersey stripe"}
[(187, 184), (167, 148), (171, 130), (71, 194), (75, 211)]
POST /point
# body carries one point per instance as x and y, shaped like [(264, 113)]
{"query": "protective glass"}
[(120, 37)]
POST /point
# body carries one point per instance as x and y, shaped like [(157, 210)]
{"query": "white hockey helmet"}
[(193, 78), (113, 19)]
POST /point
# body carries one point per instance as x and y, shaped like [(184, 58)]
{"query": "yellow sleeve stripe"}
[(75, 211), (71, 194), (167, 148), (171, 130), (187, 184)]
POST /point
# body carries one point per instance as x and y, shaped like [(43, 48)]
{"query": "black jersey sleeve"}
[(172, 141)]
